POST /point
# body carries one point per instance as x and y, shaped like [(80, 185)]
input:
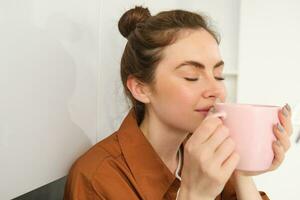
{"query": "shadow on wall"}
[(37, 128), (51, 191)]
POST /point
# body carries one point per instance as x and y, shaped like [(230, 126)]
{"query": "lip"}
[(202, 112), (206, 109)]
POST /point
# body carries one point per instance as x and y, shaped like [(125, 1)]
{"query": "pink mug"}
[(251, 127)]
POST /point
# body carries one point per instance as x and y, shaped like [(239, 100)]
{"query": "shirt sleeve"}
[(229, 193)]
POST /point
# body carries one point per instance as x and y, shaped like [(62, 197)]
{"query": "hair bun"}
[(131, 18)]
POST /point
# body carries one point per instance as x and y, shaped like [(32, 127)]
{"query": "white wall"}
[(48, 83), (269, 74)]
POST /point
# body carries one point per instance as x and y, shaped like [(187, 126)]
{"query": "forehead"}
[(198, 45)]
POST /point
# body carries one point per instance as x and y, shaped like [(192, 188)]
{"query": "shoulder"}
[(101, 171), (98, 155)]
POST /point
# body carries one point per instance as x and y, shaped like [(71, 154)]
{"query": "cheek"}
[(175, 93), (174, 104)]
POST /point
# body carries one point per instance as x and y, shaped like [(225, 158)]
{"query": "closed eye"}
[(220, 78), (195, 79), (191, 79)]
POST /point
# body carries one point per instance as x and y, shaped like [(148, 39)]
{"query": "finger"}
[(248, 173), (219, 135), (206, 128), (282, 136), (230, 164), (224, 150), (278, 156), (284, 116)]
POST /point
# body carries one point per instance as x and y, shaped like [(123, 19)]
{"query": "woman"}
[(171, 144)]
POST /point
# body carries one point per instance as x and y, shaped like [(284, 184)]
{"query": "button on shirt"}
[(125, 166)]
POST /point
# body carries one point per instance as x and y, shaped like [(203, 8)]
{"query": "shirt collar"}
[(152, 176)]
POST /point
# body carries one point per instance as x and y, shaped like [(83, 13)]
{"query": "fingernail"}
[(298, 137), (280, 128), (284, 111), (288, 107), (212, 110)]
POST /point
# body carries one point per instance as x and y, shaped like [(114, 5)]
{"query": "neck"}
[(165, 140)]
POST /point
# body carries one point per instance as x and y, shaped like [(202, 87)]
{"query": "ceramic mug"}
[(251, 127)]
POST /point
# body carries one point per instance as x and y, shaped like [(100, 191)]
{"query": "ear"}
[(139, 90)]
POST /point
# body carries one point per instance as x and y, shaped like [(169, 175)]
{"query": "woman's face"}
[(187, 80)]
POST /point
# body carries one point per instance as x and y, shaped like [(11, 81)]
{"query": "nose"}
[(214, 90)]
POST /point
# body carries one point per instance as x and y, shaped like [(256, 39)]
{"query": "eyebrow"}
[(198, 64)]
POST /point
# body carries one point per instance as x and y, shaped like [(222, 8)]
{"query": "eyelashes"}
[(220, 78), (195, 79), (191, 79)]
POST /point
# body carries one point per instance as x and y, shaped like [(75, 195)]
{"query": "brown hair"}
[(147, 36)]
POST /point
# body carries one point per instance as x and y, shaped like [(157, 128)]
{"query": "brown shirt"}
[(125, 166)]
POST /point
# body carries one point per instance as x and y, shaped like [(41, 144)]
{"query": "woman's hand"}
[(282, 131), (209, 160)]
